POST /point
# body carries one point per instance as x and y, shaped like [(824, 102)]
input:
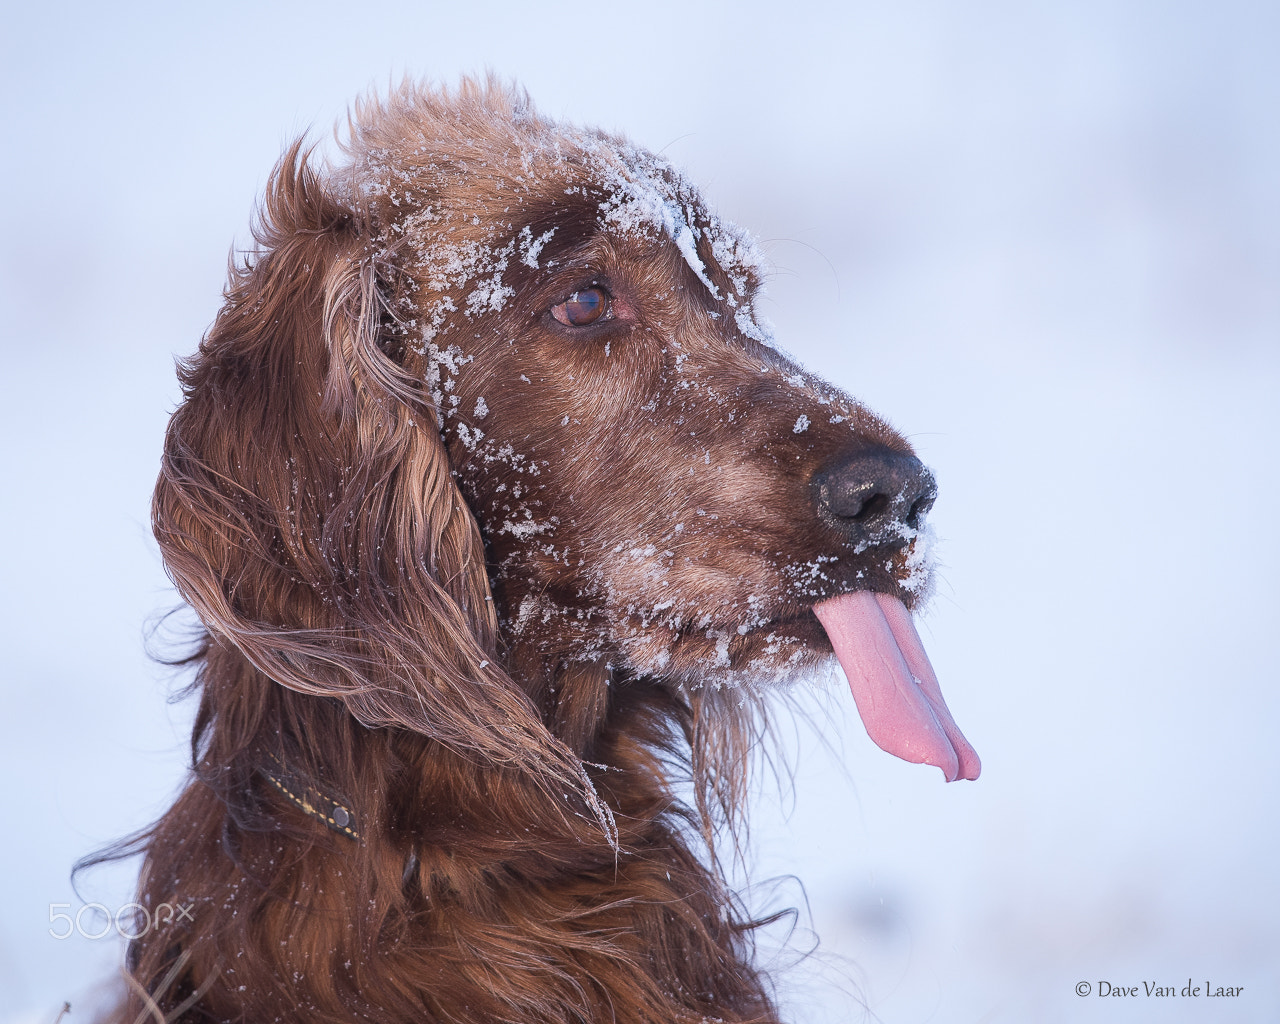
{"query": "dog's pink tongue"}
[(893, 683)]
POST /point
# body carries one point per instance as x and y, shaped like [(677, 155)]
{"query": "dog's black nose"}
[(870, 496)]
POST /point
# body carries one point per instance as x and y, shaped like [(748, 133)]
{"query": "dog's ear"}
[(306, 506)]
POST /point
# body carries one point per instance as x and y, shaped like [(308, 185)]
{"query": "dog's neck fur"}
[(441, 835)]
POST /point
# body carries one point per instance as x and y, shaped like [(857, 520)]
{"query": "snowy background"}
[(1042, 239)]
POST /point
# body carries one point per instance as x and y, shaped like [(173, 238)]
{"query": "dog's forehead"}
[(474, 191)]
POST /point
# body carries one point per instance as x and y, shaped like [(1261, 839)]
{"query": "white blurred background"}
[(1042, 239)]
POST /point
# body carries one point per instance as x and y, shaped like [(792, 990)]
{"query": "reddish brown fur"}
[(484, 673)]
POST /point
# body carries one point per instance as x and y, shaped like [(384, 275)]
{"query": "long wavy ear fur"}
[(306, 509)]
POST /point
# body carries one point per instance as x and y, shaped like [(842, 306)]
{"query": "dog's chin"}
[(776, 653)]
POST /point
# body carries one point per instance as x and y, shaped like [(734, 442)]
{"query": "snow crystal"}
[(469, 437), (752, 327), (802, 424), (809, 579), (489, 295), (443, 364), (528, 608), (530, 247), (921, 560), (525, 528)]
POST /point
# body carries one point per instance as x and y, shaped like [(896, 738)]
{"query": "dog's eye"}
[(581, 309)]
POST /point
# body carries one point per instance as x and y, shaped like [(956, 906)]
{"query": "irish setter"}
[(501, 511)]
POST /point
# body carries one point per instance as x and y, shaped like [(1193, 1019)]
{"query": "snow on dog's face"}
[(661, 491)]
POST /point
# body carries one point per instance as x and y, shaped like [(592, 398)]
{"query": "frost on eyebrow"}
[(636, 204), (645, 194)]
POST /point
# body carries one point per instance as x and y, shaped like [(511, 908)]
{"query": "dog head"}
[(497, 391)]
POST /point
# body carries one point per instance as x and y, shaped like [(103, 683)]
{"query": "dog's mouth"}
[(893, 684)]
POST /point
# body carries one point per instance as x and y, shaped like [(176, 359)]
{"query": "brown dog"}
[(499, 507)]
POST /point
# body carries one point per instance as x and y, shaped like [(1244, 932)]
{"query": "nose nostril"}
[(918, 510), (871, 508)]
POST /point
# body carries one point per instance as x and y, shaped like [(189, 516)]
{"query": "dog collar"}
[(337, 816)]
